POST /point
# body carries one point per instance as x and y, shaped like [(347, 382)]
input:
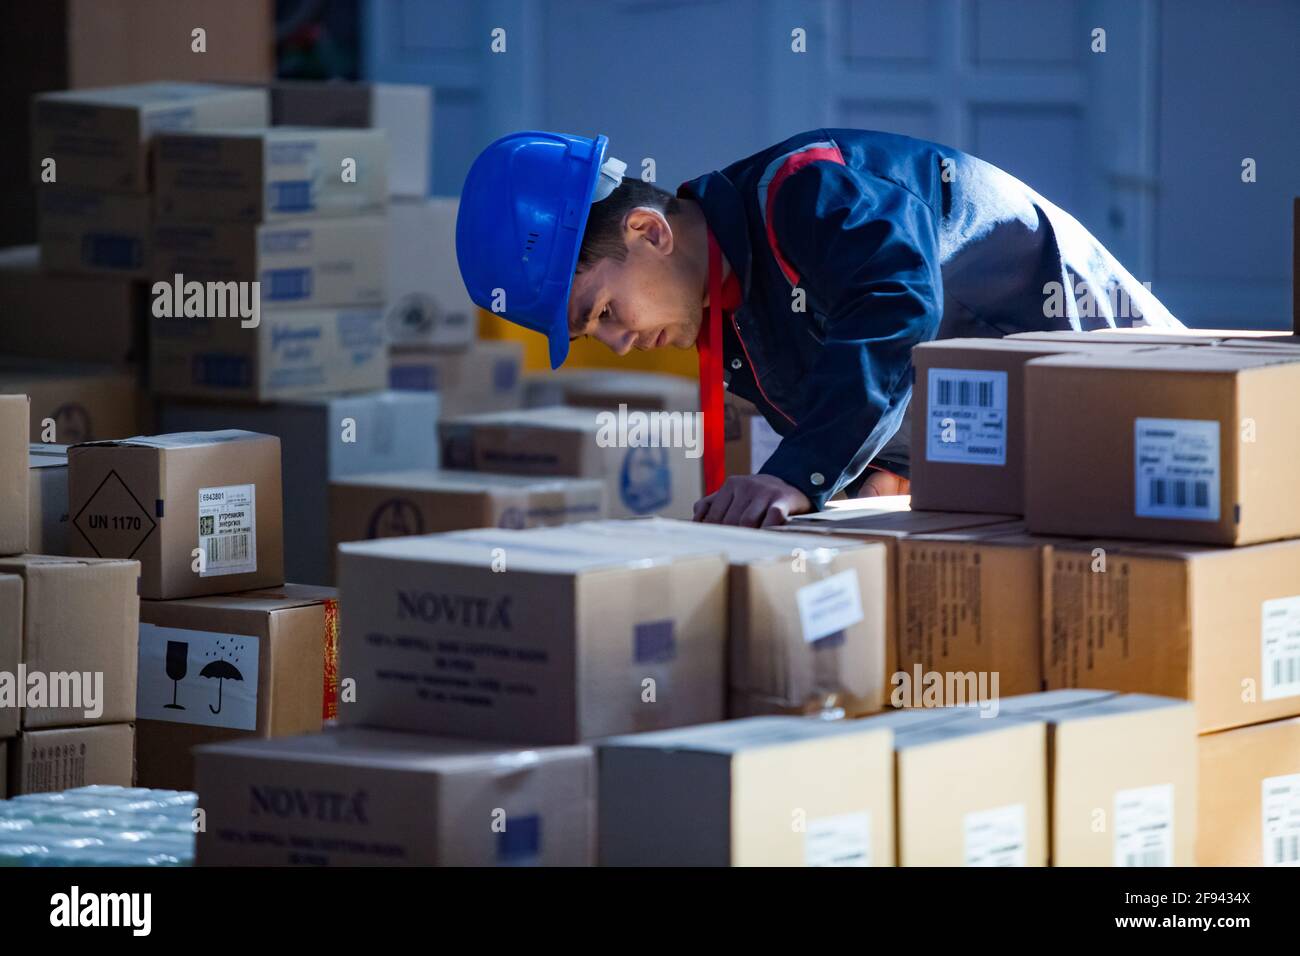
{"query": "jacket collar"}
[(724, 211)]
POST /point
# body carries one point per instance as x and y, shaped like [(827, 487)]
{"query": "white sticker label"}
[(1280, 647), (1281, 803), (829, 605), (996, 837), (1144, 826), (966, 416), (228, 530), (843, 840), (197, 677), (763, 439), (1176, 468)]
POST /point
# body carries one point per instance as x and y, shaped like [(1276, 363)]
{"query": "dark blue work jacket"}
[(853, 246)]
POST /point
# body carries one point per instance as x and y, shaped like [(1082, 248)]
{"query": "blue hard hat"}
[(522, 214)]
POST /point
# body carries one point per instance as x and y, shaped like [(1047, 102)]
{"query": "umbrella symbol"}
[(223, 671)]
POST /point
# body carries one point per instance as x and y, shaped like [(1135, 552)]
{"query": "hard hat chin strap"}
[(611, 175)]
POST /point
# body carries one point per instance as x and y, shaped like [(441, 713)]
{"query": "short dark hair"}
[(603, 238)]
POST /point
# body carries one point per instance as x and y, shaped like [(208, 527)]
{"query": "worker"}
[(804, 275)]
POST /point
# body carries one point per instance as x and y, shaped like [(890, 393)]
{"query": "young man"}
[(804, 275)]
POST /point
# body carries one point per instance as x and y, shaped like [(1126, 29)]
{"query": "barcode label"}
[(1280, 647), (966, 416), (843, 840), (1280, 801), (995, 837), (1144, 826), (228, 530), (1176, 468)]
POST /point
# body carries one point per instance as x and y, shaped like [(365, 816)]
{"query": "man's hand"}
[(752, 501)]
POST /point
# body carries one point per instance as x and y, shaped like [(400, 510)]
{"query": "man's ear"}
[(647, 225)]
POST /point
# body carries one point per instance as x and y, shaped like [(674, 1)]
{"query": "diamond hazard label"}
[(113, 520)]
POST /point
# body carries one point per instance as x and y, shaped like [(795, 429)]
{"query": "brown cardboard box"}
[(569, 645), (48, 496), (74, 402), (99, 138), (970, 603), (76, 318), (888, 524), (968, 421), (1249, 810), (79, 632), (1217, 626), (764, 791), (267, 174), (276, 640), (11, 649), (970, 791), (388, 799), (607, 389), (1192, 444), (748, 440), (389, 504), (61, 758), (582, 443), (1143, 335), (1122, 776), (806, 614), (292, 354), (86, 231), (483, 378), (15, 493), (159, 499)]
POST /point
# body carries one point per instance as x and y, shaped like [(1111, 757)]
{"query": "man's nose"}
[(619, 341)]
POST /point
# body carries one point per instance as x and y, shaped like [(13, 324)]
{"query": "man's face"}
[(645, 301)]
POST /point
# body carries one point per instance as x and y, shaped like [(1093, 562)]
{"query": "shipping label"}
[(228, 530), (1144, 826), (1280, 647), (996, 837), (197, 677), (1280, 798), (1176, 468), (966, 416), (841, 840), (830, 605)]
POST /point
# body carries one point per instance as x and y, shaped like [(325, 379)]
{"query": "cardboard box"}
[(970, 604), (482, 378), (1194, 444), (72, 402), (765, 791), (99, 138), (15, 489), (96, 233), (50, 316), (582, 443), (427, 302), (48, 490), (395, 799), (321, 440), (1249, 810), (390, 504), (606, 389), (1122, 776), (1217, 626), (1140, 335), (230, 667), (79, 633), (300, 263), (887, 525), (403, 111), (806, 615), (11, 649), (970, 791), (291, 354), (61, 758), (748, 440), (270, 174), (174, 501), (968, 430), (570, 645)]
